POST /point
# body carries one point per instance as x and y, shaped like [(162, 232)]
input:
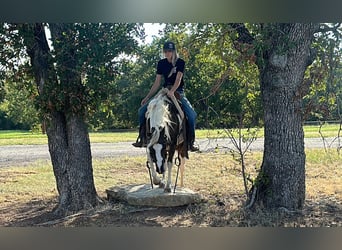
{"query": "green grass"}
[(16, 137), (310, 131), (18, 183), (328, 130), (20, 137)]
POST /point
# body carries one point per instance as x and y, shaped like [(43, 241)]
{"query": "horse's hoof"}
[(167, 190), (161, 184)]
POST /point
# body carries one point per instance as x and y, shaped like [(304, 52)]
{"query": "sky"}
[(151, 29)]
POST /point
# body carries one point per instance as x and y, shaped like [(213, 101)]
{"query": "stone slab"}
[(144, 195)]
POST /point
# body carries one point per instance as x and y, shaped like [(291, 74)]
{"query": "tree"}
[(322, 80), (283, 54), (19, 106), (72, 80), (135, 83), (221, 80), (282, 176)]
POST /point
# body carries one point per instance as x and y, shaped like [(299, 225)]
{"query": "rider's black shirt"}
[(164, 67)]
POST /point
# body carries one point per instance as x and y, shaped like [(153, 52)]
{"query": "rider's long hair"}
[(173, 60)]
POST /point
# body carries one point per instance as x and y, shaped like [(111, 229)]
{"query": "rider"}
[(172, 69)]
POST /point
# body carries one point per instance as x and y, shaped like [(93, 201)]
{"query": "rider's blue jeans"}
[(190, 113)]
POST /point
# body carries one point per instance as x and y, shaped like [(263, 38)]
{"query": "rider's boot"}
[(141, 140), (192, 147)]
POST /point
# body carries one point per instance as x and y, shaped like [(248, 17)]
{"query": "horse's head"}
[(158, 121)]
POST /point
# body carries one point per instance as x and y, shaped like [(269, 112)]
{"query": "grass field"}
[(28, 194), (9, 137)]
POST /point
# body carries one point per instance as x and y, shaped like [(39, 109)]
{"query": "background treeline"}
[(221, 83)]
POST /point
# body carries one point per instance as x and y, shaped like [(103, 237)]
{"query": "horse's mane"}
[(159, 115)]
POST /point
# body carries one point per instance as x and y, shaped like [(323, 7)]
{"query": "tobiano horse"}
[(166, 135)]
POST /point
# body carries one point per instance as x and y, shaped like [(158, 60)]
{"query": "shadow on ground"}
[(217, 212)]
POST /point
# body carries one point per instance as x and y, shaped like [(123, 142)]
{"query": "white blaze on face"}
[(158, 148)]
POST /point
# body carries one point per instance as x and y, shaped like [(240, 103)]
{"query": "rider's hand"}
[(170, 93), (144, 101)]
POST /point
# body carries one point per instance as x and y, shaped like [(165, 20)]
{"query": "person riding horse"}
[(172, 68)]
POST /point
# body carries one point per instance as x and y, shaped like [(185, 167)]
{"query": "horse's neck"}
[(158, 113)]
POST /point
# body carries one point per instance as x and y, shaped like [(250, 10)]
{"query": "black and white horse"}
[(165, 128)]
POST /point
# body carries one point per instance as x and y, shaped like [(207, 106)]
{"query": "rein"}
[(175, 102), (149, 171), (177, 163)]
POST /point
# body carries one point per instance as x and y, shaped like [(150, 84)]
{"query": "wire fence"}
[(318, 123)]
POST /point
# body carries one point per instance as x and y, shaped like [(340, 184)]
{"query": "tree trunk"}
[(281, 181), (69, 148), (68, 138)]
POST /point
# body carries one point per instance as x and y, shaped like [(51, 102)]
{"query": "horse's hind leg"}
[(167, 189), (181, 168)]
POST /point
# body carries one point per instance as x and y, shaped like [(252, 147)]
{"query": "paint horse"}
[(166, 135)]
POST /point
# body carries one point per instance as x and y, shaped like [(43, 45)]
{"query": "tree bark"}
[(68, 137), (70, 152), (281, 181)]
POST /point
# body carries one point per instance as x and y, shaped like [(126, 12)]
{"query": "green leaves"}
[(19, 103), (102, 71), (87, 61), (322, 85)]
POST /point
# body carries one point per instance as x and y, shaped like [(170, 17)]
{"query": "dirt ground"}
[(216, 212)]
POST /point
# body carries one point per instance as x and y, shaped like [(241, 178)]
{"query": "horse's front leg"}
[(155, 177), (167, 189), (162, 182)]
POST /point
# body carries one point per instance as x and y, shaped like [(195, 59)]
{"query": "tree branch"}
[(244, 34), (245, 44), (326, 28)]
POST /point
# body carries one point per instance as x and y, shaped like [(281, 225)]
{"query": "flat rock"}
[(144, 195)]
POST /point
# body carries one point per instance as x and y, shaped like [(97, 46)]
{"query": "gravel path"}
[(25, 154)]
